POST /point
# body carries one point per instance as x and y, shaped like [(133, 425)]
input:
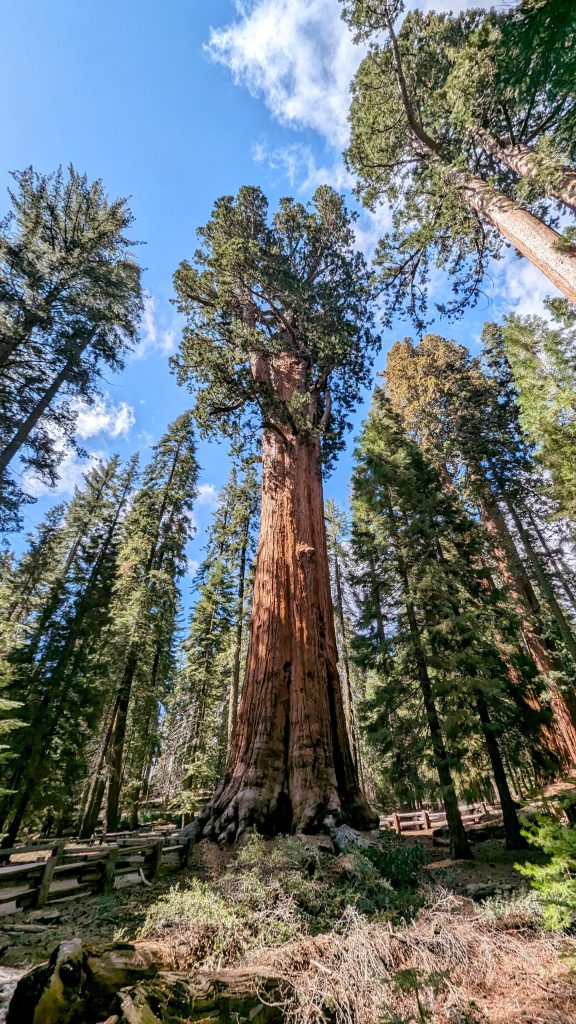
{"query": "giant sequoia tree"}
[(279, 339), (417, 144)]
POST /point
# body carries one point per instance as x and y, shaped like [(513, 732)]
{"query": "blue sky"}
[(175, 104)]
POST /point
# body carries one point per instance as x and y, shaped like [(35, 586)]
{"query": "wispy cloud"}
[(156, 335), (299, 57), (70, 475), (299, 165), (207, 495), (103, 417)]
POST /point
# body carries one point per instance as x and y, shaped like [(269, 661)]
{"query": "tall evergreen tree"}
[(54, 654), (279, 337), (145, 604), (70, 302), (542, 358), (468, 424), (446, 619), (200, 718), (451, 207)]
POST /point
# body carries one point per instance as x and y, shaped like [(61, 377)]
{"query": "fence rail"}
[(71, 869), (423, 820), (74, 868)]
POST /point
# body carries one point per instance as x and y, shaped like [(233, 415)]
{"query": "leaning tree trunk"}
[(290, 767), (524, 161), (527, 233)]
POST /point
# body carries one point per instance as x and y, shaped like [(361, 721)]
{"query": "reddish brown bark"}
[(290, 767), (562, 737)]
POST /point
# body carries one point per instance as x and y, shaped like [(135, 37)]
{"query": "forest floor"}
[(459, 943)]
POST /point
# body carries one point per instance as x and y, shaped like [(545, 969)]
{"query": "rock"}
[(345, 864), (17, 929), (345, 838), (315, 844)]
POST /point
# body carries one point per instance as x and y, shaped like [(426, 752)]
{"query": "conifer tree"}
[(451, 207), (54, 654), (429, 550), (200, 717), (279, 338), (145, 603), (541, 355), (70, 302), (468, 425)]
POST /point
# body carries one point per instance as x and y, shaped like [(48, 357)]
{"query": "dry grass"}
[(448, 967)]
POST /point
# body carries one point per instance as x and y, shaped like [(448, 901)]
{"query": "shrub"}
[(556, 879)]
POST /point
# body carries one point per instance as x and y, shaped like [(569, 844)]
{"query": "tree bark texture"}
[(527, 233), (290, 767), (561, 738), (523, 161)]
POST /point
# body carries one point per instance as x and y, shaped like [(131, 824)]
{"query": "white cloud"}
[(70, 475), (155, 336), (207, 494), (103, 417), (298, 56), (299, 165), (520, 287)]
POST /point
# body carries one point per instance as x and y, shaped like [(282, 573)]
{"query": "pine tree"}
[(70, 302), (144, 610), (54, 654), (450, 207), (279, 338), (446, 618), (467, 422), (542, 362)]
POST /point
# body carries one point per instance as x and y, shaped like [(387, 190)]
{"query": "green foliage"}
[(541, 357), (421, 100), (276, 891), (555, 881), (70, 303), (399, 863), (257, 289)]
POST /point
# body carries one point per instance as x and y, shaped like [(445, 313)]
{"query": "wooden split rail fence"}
[(416, 821), (74, 870)]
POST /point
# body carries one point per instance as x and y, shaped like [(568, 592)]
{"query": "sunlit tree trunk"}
[(524, 161), (290, 767)]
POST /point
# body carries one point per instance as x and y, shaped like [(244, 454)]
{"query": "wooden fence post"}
[(396, 823), (426, 818), (109, 870), (155, 857)]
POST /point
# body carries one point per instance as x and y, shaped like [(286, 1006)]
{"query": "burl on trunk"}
[(290, 767)]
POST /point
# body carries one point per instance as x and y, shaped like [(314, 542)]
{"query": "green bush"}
[(393, 859), (273, 892), (555, 880)]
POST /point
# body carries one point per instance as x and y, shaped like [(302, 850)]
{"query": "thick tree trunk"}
[(527, 233), (524, 161), (562, 737), (291, 767)]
